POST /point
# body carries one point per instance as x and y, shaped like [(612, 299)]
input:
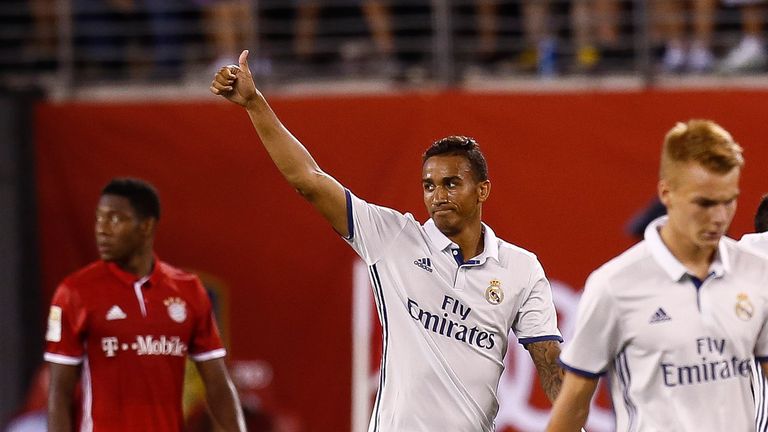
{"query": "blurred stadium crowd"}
[(81, 42)]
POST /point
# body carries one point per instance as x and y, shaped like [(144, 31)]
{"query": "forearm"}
[(571, 408), (221, 395), (292, 159), (551, 381), (567, 417), (59, 415), (225, 408), (544, 355)]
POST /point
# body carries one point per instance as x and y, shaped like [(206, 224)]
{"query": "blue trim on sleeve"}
[(579, 371), (350, 220), (526, 341)]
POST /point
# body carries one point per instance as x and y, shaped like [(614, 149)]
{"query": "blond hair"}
[(703, 142)]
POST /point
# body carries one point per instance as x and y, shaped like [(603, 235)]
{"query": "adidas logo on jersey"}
[(115, 313), (659, 316), (424, 263)]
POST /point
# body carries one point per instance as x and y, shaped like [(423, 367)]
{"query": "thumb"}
[(243, 60)]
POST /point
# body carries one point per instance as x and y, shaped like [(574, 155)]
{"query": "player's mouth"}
[(443, 209), (104, 248)]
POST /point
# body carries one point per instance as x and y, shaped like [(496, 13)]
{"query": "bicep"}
[(576, 393), (63, 380), (213, 373), (764, 366)]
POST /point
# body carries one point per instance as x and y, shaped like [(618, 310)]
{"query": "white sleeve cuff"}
[(210, 355), (62, 359)]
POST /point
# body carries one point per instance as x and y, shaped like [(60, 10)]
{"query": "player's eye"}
[(112, 219), (706, 203)]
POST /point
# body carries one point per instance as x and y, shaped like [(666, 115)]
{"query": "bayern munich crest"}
[(493, 293), (744, 308), (177, 309)]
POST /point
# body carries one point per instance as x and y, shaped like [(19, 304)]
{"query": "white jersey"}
[(756, 241), (678, 351), (445, 324), (759, 243)]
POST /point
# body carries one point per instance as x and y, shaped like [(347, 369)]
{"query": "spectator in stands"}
[(379, 22), (750, 54), (593, 24), (230, 24), (103, 31), (110, 35), (169, 32), (595, 28), (44, 39), (683, 53)]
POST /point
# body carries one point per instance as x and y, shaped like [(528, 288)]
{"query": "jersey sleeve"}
[(595, 340), (206, 341), (65, 334), (761, 348), (536, 320), (372, 228)]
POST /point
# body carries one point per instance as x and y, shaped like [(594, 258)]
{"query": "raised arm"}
[(60, 397), (572, 405), (221, 396), (235, 83), (544, 355)]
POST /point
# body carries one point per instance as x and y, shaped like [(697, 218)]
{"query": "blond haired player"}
[(677, 320)]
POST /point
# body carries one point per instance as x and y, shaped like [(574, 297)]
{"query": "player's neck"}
[(470, 240), (139, 264), (695, 258)]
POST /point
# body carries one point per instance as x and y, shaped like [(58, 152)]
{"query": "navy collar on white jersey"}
[(441, 242), (671, 265)]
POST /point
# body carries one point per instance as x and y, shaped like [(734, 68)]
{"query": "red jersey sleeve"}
[(206, 341), (66, 327)]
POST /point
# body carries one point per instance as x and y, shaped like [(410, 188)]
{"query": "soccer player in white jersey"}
[(758, 241), (676, 321), (447, 291)]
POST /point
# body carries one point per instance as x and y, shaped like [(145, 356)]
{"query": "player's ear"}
[(147, 226), (664, 189), (484, 190)]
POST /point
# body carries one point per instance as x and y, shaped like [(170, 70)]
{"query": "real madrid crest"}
[(177, 309), (744, 308), (493, 293)]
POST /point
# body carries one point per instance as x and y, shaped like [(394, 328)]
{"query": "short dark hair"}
[(457, 145), (140, 193), (761, 217)]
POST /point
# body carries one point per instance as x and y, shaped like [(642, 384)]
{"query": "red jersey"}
[(132, 338)]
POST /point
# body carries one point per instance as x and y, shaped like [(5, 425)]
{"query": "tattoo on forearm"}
[(544, 355)]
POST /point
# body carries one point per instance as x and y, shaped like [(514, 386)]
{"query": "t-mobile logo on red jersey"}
[(146, 345), (109, 345), (173, 346)]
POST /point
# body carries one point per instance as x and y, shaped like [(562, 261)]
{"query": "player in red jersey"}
[(126, 323)]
